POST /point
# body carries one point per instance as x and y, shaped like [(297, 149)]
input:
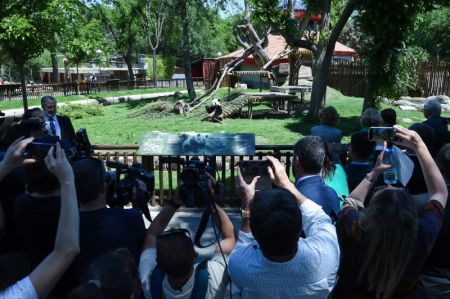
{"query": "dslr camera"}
[(194, 182), (121, 183)]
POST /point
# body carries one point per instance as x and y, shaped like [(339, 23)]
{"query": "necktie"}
[(52, 126)]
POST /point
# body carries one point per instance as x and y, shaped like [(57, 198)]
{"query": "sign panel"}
[(201, 144)]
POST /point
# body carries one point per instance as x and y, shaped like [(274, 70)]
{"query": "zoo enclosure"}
[(167, 174)]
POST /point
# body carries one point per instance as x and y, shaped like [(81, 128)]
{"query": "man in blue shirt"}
[(309, 156)]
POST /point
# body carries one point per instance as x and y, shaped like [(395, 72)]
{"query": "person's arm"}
[(160, 222), (47, 273), (280, 178), (437, 189), (361, 191), (229, 241)]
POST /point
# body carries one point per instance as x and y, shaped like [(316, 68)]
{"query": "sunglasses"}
[(171, 232)]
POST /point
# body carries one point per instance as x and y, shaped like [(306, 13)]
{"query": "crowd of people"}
[(338, 231)]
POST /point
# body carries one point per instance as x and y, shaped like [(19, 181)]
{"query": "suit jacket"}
[(67, 130), (440, 127), (315, 189)]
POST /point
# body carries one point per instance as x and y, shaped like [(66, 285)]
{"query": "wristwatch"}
[(245, 214), (371, 180)]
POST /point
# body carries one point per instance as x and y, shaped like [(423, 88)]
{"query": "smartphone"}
[(381, 133), (38, 149), (253, 168)]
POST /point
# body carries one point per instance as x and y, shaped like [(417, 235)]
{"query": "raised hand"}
[(58, 164), (13, 156), (407, 138), (246, 191), (278, 173)]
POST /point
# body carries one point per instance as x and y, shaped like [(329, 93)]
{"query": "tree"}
[(27, 27), (433, 33), (388, 24), (81, 41), (153, 19), (120, 23), (320, 39)]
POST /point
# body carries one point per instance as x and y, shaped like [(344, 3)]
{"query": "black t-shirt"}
[(106, 229), (36, 220)]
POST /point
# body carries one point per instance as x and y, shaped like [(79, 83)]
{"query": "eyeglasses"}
[(171, 232)]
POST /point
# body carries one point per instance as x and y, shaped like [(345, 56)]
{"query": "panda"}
[(195, 144)]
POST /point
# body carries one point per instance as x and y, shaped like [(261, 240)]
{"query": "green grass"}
[(120, 125), (4, 105)]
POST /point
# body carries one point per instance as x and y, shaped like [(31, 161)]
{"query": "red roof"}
[(277, 43)]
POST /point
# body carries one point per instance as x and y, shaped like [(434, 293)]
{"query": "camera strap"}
[(212, 213)]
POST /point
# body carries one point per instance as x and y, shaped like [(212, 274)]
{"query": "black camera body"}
[(194, 187), (121, 183)]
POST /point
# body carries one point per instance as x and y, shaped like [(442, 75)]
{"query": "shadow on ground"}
[(303, 126)]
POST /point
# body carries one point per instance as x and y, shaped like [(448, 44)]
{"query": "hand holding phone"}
[(382, 134), (253, 168)]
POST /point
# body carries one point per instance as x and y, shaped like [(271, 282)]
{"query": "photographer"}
[(167, 267), (102, 228), (42, 279), (271, 259)]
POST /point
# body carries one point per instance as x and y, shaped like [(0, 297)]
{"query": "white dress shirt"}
[(55, 122)]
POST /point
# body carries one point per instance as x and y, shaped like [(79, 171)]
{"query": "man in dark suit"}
[(57, 125), (309, 156)]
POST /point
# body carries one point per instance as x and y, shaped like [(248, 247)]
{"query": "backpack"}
[(200, 281)]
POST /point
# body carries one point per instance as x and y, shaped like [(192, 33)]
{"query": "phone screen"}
[(381, 133), (253, 168)]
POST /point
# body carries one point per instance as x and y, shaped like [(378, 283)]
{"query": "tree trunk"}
[(155, 69), (130, 70), (55, 72), (23, 85), (186, 50), (323, 61), (370, 92), (78, 80)]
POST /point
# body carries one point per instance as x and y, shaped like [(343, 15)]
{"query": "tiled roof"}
[(277, 43)]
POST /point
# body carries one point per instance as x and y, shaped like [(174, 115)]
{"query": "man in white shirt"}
[(270, 259), (57, 125), (168, 258)]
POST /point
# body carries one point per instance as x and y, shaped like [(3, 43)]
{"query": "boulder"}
[(443, 99), (445, 107)]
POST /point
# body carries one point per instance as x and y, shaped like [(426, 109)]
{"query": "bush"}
[(165, 67), (76, 111)]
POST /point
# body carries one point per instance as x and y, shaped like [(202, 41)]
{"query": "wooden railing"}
[(13, 92), (167, 174)]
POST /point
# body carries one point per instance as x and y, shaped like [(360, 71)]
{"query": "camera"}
[(194, 182), (382, 133), (121, 183)]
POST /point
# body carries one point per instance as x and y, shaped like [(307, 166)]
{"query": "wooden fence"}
[(350, 78), (167, 174), (13, 92)]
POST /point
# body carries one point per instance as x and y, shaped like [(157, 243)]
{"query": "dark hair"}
[(389, 116), (370, 118), (39, 179), (45, 99), (276, 221), (29, 113), (328, 168), (361, 146), (89, 178), (175, 254), (426, 132), (443, 161), (113, 275), (311, 151), (329, 116), (390, 225)]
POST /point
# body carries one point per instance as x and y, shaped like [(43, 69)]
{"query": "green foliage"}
[(433, 33), (76, 111), (165, 67)]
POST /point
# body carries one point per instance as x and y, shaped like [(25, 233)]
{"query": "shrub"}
[(165, 67), (76, 111)]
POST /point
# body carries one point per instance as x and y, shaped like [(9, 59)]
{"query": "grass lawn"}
[(120, 125), (4, 105)]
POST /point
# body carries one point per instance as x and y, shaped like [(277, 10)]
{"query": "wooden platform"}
[(279, 97), (292, 90)]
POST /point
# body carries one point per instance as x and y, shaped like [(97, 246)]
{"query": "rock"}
[(443, 99), (445, 107), (407, 108), (407, 120), (403, 103), (418, 100), (404, 98)]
